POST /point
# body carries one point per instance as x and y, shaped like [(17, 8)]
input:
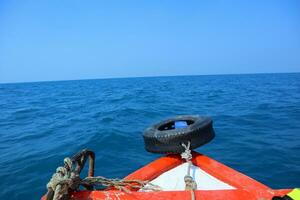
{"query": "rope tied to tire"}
[(170, 136), (190, 183), (187, 154), (66, 179)]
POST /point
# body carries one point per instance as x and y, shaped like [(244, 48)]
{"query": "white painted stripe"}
[(173, 180)]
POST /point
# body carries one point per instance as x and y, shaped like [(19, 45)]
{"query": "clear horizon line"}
[(147, 76)]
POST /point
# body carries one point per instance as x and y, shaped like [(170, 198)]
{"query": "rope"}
[(190, 184), (67, 179), (121, 184), (62, 180), (187, 154)]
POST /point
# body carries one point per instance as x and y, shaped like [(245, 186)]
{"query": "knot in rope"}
[(61, 180), (187, 154), (190, 184), (68, 163)]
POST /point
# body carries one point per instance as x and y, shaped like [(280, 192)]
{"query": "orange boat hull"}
[(245, 187)]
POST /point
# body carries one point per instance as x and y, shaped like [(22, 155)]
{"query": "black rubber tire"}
[(198, 132)]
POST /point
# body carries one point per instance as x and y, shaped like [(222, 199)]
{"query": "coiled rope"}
[(66, 179)]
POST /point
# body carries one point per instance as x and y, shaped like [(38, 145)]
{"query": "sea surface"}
[(256, 119)]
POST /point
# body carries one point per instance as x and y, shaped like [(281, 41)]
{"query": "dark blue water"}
[(256, 117)]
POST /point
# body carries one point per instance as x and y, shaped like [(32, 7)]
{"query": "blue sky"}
[(63, 40)]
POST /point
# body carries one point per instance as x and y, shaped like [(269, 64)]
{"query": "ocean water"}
[(256, 119)]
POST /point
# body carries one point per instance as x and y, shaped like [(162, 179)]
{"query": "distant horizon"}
[(158, 76)]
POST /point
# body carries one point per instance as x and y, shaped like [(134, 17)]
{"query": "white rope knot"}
[(60, 180), (68, 163), (190, 184), (187, 154)]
